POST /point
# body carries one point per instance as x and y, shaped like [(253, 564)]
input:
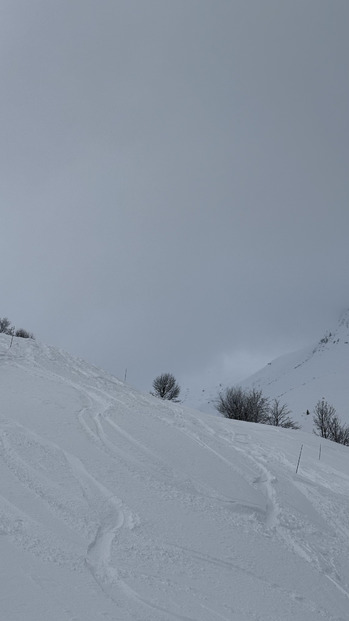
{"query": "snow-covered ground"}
[(116, 506), (299, 379), (303, 378)]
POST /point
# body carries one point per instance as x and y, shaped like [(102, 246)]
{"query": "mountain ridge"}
[(303, 377)]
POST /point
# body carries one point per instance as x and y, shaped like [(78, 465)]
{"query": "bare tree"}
[(343, 435), (231, 403), (165, 387), (324, 417), (279, 416), (5, 326), (257, 406), (328, 425), (337, 431), (239, 404)]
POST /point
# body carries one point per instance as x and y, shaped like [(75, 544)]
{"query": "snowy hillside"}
[(302, 378), (116, 506)]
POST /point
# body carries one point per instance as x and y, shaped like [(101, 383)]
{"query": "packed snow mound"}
[(119, 506), (304, 377)]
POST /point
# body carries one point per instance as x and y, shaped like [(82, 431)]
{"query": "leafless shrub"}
[(165, 387), (327, 424), (24, 334), (279, 416), (5, 326), (239, 404)]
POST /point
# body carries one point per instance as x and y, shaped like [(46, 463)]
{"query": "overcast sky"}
[(175, 179)]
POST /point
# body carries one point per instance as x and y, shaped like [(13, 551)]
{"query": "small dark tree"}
[(336, 430), (279, 416), (231, 403), (256, 406), (324, 416), (343, 436), (328, 425), (5, 326), (165, 387)]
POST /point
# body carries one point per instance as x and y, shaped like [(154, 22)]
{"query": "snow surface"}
[(118, 506), (303, 378)]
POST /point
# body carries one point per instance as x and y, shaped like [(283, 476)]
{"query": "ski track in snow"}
[(267, 482), (114, 516), (77, 502)]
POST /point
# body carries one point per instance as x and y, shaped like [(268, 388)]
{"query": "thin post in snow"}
[(125, 375), (299, 458), (320, 452)]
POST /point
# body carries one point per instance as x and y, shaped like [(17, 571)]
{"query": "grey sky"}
[(174, 179)]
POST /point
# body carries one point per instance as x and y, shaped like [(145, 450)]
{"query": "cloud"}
[(174, 183)]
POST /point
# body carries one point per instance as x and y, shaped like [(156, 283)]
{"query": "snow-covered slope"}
[(116, 506), (302, 378)]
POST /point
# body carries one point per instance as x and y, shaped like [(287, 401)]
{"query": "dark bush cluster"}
[(7, 328), (252, 406), (24, 334)]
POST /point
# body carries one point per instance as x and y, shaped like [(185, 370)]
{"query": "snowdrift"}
[(118, 506)]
